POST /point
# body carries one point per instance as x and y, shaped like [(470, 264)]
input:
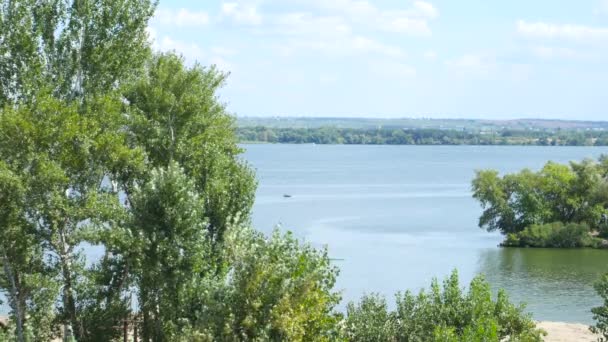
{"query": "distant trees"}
[(524, 203), (421, 136)]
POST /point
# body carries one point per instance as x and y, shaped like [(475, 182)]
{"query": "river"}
[(394, 217)]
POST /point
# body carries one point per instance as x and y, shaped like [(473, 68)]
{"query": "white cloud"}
[(473, 64), (191, 51), (151, 34), (368, 45), (412, 20), (300, 23), (340, 46), (577, 33), (181, 17), (430, 55), (223, 51), (328, 78), (426, 9), (242, 13), (392, 69), (488, 66), (221, 63), (467, 61), (602, 7), (331, 35), (551, 52), (407, 25)]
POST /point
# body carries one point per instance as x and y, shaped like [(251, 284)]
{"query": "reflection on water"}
[(558, 283)]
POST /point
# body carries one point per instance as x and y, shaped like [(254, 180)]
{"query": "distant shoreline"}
[(330, 135)]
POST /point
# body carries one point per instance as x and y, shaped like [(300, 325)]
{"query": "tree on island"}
[(544, 208)]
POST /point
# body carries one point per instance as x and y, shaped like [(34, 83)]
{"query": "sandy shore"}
[(557, 331), (567, 332)]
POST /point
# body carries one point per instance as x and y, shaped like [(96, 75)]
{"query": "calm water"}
[(397, 216)]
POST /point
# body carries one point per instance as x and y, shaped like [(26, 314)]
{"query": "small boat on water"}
[(286, 195)]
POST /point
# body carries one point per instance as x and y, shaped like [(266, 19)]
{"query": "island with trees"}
[(557, 206)]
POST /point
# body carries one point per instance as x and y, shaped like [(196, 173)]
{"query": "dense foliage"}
[(525, 205), (554, 235), (421, 136), (442, 314)]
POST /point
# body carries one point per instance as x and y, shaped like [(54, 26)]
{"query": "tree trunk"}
[(69, 302), (143, 307), (15, 301)]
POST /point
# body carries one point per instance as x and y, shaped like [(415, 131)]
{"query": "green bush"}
[(442, 314), (278, 289), (553, 235), (600, 313), (370, 320)]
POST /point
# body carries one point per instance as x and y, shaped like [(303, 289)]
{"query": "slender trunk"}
[(158, 330), (69, 302), (15, 301), (145, 331)]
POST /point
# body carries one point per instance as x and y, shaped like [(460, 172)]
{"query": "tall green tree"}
[(176, 116), (21, 259), (169, 250), (72, 48), (57, 154), (61, 64)]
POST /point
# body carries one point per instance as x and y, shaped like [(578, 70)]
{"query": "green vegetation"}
[(600, 314), (441, 314), (103, 143), (557, 235), (558, 206), (422, 136)]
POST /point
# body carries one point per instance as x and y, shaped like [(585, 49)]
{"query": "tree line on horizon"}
[(420, 136)]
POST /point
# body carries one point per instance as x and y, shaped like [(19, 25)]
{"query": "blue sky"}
[(399, 58)]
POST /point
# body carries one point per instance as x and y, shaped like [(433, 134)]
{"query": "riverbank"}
[(567, 332), (556, 331)]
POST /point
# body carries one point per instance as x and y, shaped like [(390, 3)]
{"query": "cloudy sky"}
[(399, 58)]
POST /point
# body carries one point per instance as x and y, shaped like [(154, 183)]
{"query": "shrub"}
[(600, 313), (444, 313), (278, 289), (370, 320), (554, 235)]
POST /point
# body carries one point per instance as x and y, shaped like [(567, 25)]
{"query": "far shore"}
[(556, 331)]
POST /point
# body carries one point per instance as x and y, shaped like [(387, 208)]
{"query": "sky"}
[(486, 59)]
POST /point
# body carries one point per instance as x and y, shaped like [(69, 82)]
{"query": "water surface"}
[(397, 216)]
